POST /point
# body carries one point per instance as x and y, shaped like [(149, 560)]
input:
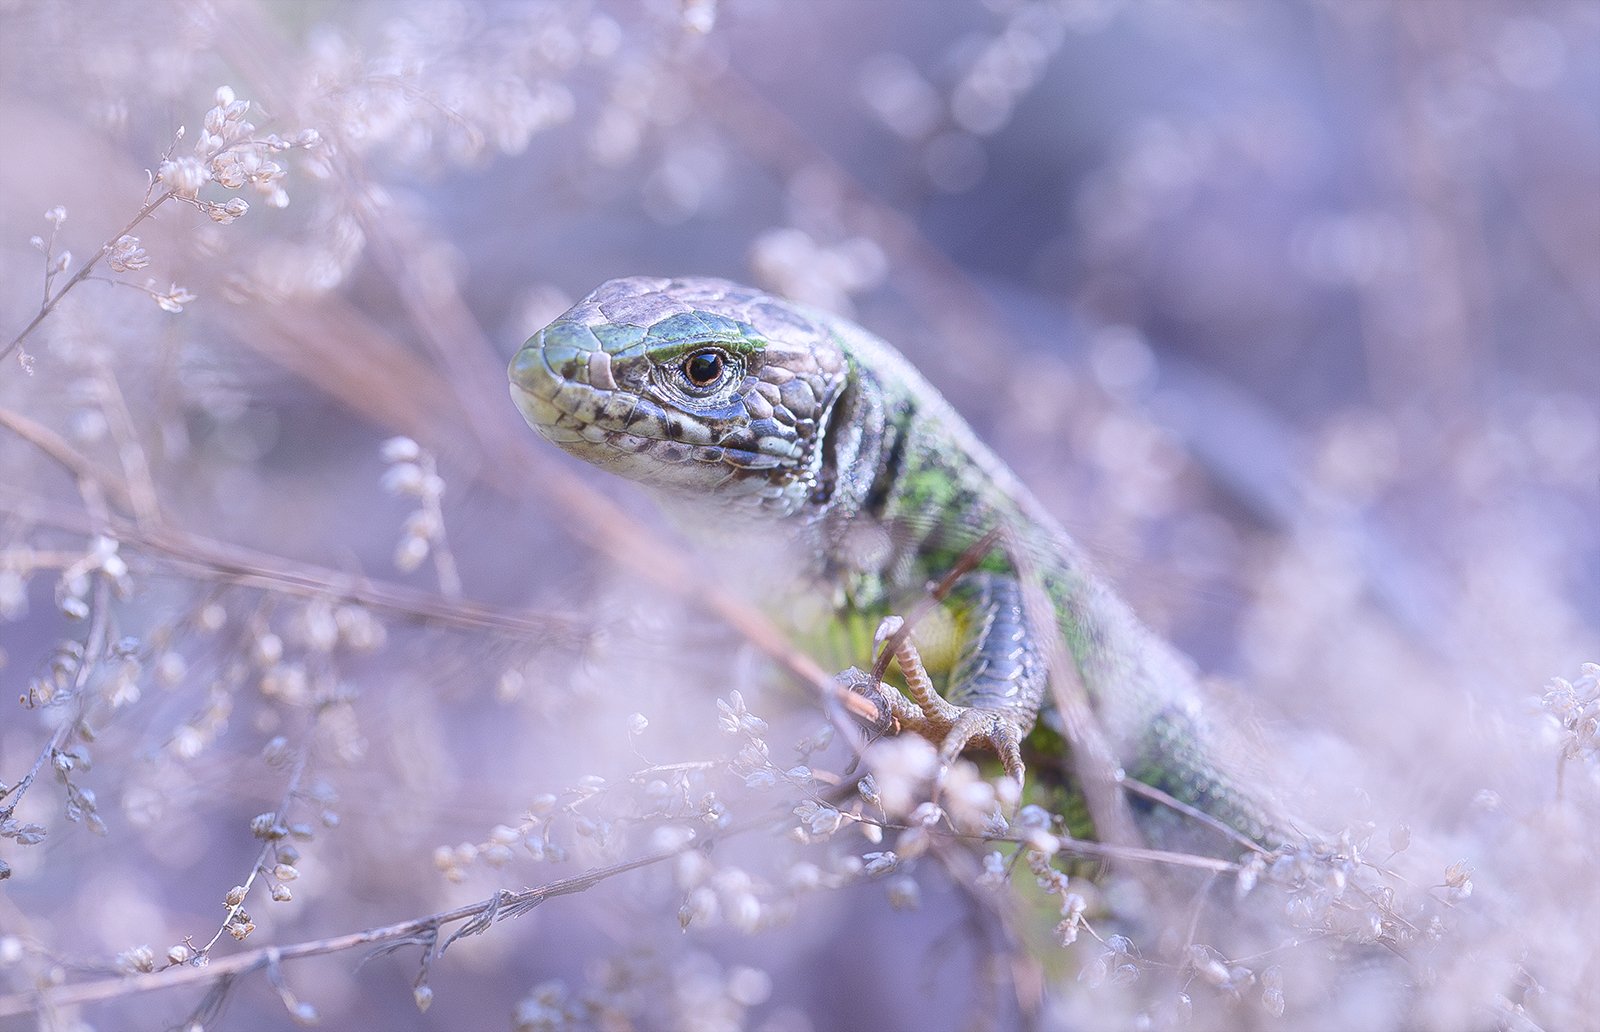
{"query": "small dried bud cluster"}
[(1575, 708), (135, 960), (239, 924), (1117, 965), (228, 153), (72, 591), (532, 835), (170, 300), (67, 673), (727, 895), (903, 768), (28, 834), (413, 473), (1054, 883), (753, 762), (1458, 881), (126, 254), (279, 856), (183, 176)]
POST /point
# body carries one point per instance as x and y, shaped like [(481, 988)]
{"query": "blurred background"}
[(1290, 311)]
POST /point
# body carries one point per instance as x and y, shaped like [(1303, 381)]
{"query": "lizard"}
[(753, 417)]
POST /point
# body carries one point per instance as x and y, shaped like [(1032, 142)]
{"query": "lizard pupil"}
[(703, 368)]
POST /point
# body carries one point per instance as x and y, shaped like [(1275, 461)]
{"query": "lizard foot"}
[(991, 728), (953, 728)]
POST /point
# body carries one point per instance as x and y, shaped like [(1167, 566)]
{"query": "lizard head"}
[(692, 386)]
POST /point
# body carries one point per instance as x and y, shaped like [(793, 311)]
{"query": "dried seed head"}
[(127, 255), (183, 176), (138, 958)]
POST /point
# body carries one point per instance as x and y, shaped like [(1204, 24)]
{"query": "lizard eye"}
[(704, 368)]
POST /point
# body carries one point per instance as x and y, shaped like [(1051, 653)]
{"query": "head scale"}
[(693, 386)]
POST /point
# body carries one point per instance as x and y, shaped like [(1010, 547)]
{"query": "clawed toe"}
[(988, 728)]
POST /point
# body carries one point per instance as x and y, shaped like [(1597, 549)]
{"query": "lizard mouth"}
[(574, 418)]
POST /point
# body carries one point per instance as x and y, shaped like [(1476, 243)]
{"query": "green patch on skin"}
[(928, 490), (558, 336), (615, 338), (677, 335)]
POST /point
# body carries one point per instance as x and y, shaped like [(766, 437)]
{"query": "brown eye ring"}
[(704, 368)]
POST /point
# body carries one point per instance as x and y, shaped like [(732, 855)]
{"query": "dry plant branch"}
[(1090, 849), (235, 921), (85, 473), (210, 559), (501, 905), (82, 274), (95, 644), (1136, 787), (251, 568), (479, 917), (482, 915), (142, 495)]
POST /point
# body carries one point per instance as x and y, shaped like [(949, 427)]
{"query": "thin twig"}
[(94, 650), (964, 564), (1110, 851), (109, 988), (142, 494), (269, 846), (1139, 788), (56, 448), (83, 273), (234, 564), (1090, 753), (502, 905)]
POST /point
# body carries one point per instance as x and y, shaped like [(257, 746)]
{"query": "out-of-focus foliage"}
[(1291, 311)]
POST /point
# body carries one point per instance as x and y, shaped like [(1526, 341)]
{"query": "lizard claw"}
[(995, 729)]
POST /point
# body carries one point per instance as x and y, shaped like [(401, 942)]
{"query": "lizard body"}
[(761, 418)]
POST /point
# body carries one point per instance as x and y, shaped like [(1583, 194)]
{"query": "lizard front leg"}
[(994, 692)]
